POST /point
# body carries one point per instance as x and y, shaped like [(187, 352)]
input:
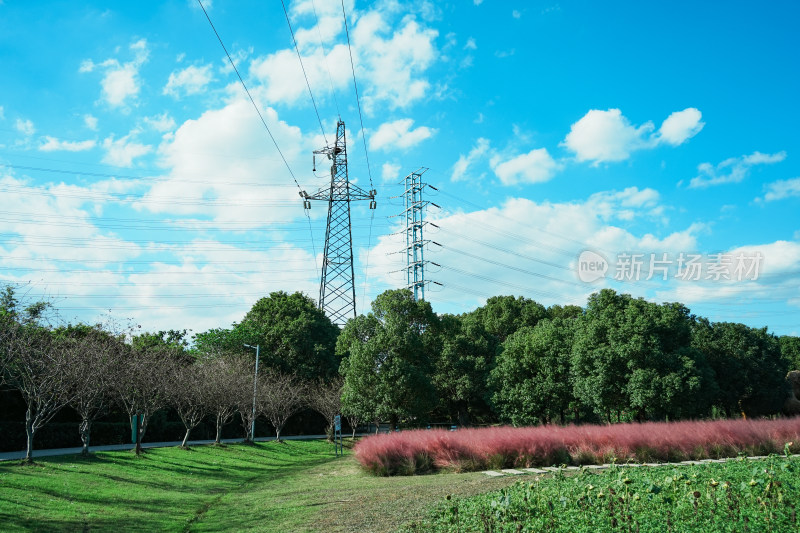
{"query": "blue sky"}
[(138, 183)]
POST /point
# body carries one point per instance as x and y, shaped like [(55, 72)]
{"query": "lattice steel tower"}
[(415, 243), (337, 291)]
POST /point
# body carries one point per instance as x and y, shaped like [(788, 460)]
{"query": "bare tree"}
[(93, 356), (188, 395), (38, 368), (226, 376), (140, 385), (326, 399), (280, 396), (353, 420), (245, 405)]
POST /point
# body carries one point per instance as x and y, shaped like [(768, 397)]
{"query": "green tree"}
[(531, 379), (295, 336), (748, 364), (503, 315), (389, 354), (360, 368), (633, 355), (790, 348), (466, 354), (566, 311)]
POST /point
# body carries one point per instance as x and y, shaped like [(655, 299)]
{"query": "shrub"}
[(423, 451)]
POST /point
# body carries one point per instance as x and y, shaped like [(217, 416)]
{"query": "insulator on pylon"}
[(373, 204)]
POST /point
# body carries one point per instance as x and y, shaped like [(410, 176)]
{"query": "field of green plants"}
[(740, 495)]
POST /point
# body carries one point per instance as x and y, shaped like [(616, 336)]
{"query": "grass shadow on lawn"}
[(163, 490)]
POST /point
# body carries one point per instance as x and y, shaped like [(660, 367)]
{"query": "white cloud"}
[(393, 64), (390, 172), (626, 204), (90, 122), (191, 80), (470, 45), (123, 151), (52, 144), (2, 114), (530, 248), (680, 126), (282, 77), (778, 190), (757, 158), (234, 176), (608, 136), (121, 82), (732, 170), (516, 14), (602, 136), (391, 53), (161, 123), (398, 134), (25, 127), (64, 222), (537, 166), (477, 2), (465, 161), (777, 278)]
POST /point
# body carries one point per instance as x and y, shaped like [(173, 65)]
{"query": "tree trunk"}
[(140, 428), (186, 437), (278, 433), (85, 430), (218, 439), (377, 426), (463, 417), (29, 431), (393, 420)]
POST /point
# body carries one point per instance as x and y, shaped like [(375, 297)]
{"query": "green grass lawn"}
[(295, 486), (301, 486)]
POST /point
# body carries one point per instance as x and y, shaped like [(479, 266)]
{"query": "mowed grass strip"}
[(166, 489), (293, 486)]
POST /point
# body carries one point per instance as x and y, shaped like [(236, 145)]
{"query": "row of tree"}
[(511, 360), (92, 370)]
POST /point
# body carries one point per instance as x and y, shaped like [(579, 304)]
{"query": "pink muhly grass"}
[(421, 451)]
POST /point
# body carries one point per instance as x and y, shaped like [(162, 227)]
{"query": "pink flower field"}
[(424, 451)]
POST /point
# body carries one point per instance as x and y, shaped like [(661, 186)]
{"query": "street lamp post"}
[(255, 384)]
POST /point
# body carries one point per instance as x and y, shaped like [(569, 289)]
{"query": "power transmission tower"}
[(415, 243), (337, 291)]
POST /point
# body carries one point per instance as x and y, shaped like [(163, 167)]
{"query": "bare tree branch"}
[(280, 396)]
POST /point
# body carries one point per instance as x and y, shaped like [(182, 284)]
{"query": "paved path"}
[(551, 469), (11, 456)]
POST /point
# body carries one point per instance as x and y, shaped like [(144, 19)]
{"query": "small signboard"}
[(337, 435)]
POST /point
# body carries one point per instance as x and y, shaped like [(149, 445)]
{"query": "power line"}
[(303, 68), (325, 57), (255, 106), (141, 178), (358, 99)]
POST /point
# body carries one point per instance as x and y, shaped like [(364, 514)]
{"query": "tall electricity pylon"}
[(337, 291), (415, 243)]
